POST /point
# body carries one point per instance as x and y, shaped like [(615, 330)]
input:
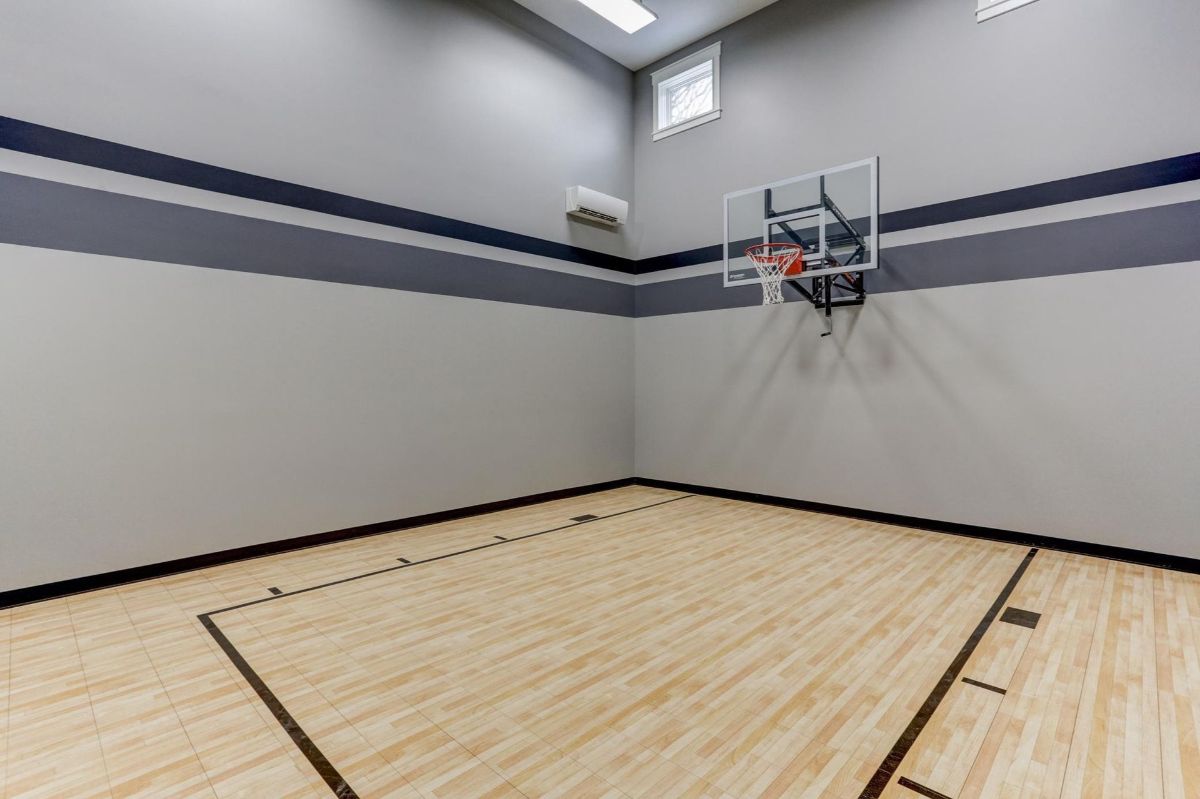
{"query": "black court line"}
[(333, 779), (921, 789), (906, 740), (984, 686), (153, 571), (304, 743), (439, 557)]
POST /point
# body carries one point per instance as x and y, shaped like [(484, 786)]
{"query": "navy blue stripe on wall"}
[(1084, 187), (1166, 172), (43, 213), (27, 137), (1161, 235), (674, 260)]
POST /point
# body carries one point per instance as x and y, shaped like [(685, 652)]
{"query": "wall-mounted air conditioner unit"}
[(590, 204)]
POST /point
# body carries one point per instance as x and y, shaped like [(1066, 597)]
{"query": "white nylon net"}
[(772, 262)]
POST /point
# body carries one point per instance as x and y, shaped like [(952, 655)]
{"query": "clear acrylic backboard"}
[(832, 214)]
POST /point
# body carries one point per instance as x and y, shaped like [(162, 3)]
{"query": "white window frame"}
[(988, 9), (710, 53)]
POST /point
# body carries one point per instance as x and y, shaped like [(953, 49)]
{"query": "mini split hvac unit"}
[(590, 204)]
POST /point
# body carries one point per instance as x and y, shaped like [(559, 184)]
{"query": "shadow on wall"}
[(945, 356)]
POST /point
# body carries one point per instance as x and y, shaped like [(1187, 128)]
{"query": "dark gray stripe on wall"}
[(1145, 237), (42, 213), (1165, 234), (1165, 172), (28, 137)]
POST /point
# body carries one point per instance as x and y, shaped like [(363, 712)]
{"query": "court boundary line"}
[(341, 787), (324, 767), (891, 762)]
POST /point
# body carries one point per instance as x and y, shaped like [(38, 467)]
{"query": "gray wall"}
[(952, 108), (1062, 406), (155, 410), (1059, 405), (479, 111)]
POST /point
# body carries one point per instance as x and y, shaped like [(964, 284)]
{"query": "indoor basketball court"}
[(634, 399)]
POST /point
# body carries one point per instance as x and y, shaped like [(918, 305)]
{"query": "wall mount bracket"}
[(833, 291)]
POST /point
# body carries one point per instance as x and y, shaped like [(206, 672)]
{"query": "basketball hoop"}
[(775, 261)]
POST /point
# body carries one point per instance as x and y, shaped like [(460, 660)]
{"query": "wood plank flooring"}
[(674, 647)]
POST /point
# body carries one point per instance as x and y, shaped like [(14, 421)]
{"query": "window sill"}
[(691, 123)]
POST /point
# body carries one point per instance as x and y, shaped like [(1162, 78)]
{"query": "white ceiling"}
[(680, 22)]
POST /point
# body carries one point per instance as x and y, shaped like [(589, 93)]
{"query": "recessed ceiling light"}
[(628, 15)]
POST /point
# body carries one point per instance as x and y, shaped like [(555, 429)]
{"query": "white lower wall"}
[(153, 411), (1062, 406)]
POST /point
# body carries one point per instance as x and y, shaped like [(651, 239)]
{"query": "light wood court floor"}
[(674, 647)]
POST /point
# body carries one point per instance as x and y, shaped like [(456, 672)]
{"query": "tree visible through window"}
[(689, 94)]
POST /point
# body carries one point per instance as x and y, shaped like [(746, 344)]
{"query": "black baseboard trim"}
[(79, 585), (1140, 557)]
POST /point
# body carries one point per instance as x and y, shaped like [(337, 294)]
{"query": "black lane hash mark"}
[(890, 763), (499, 538), (333, 779), (587, 517), (1022, 618), (274, 590), (404, 560), (436, 558), (921, 789), (307, 747), (984, 686)]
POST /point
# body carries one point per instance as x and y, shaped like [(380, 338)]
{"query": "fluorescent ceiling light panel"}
[(994, 8), (628, 15)]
